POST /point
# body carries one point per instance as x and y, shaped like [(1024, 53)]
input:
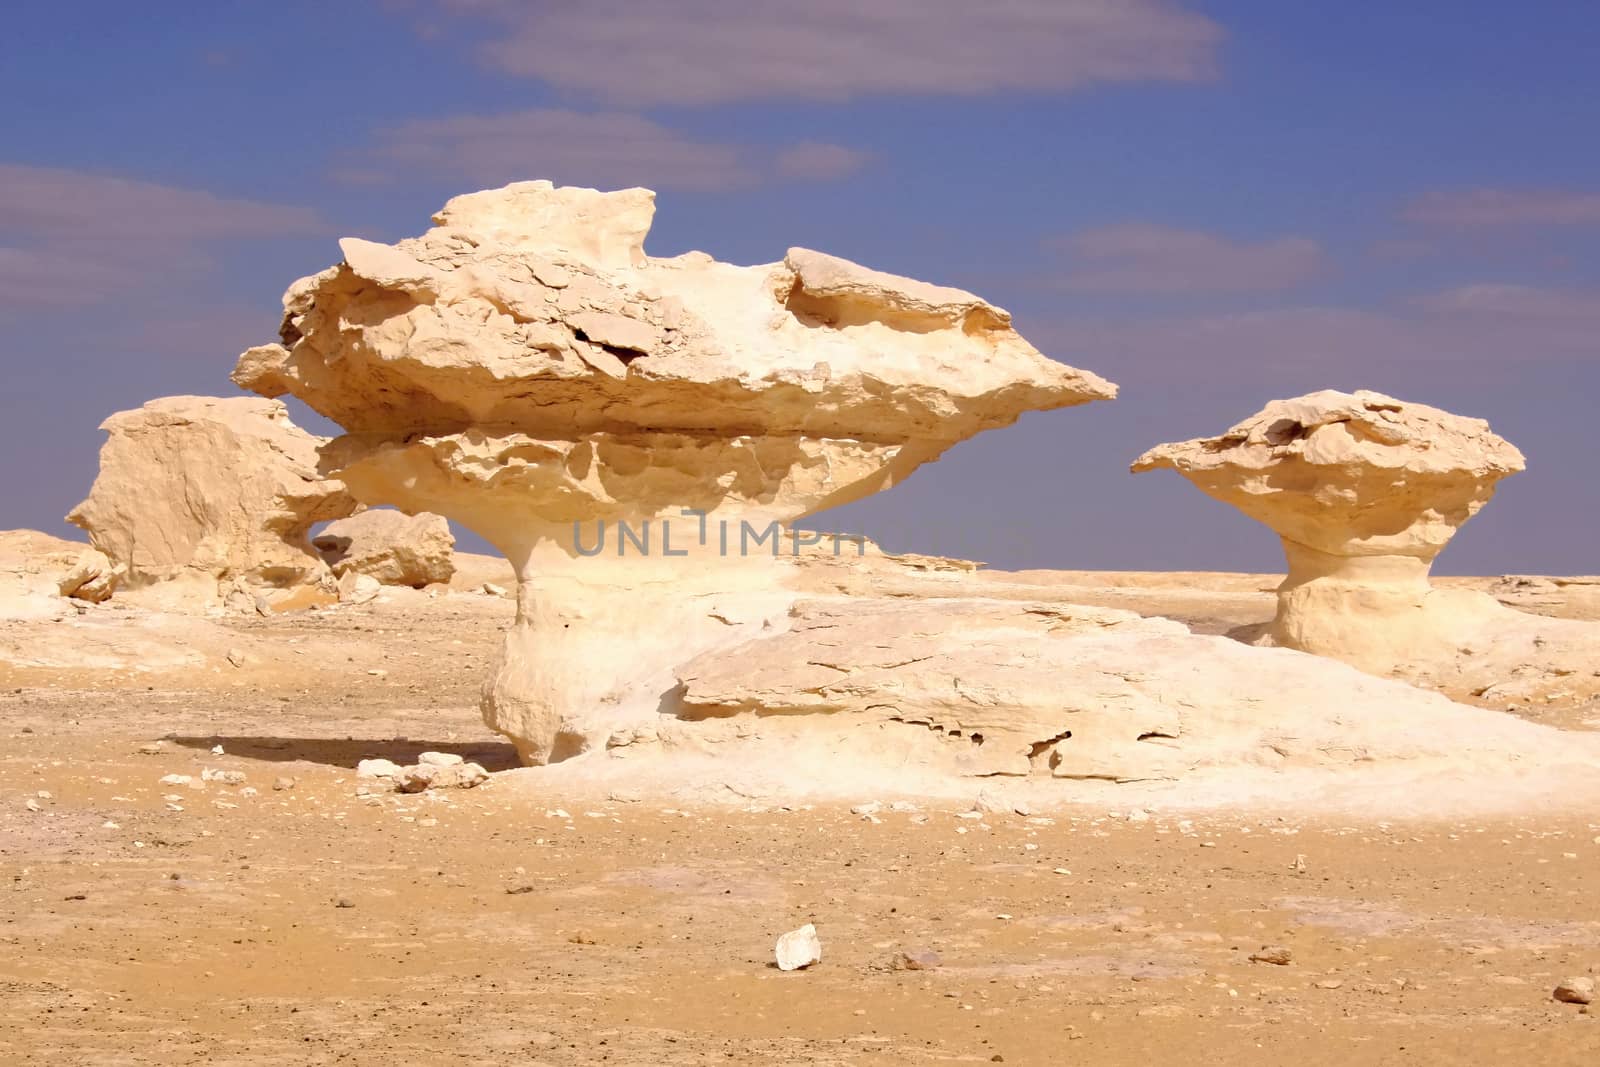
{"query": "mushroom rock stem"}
[(596, 641), (1360, 609)]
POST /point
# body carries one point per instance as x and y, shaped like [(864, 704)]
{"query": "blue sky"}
[(1213, 204)]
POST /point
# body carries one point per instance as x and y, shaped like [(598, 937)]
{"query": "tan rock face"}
[(1365, 490), (198, 497), (525, 369), (392, 547)]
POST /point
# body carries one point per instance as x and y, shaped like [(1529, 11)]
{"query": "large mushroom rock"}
[(1365, 490), (526, 370), (200, 499)]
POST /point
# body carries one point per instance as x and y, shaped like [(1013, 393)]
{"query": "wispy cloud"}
[(55, 203), (70, 237), (1146, 258), (816, 161), (605, 149), (1519, 303), (714, 51), (1486, 327), (1481, 208)]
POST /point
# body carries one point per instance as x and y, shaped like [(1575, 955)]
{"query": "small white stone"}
[(799, 948), (377, 768), (440, 759), (176, 779)]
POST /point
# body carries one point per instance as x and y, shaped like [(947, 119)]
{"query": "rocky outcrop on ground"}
[(1019, 688), (632, 432), (202, 501), (1365, 491), (37, 571), (390, 546)]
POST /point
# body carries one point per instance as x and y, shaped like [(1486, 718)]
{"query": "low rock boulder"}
[(390, 546), (200, 500)]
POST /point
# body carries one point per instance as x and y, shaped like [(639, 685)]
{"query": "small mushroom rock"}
[(1365, 490)]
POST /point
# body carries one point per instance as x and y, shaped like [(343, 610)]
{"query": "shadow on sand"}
[(348, 751)]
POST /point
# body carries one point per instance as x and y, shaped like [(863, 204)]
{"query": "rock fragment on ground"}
[(799, 948)]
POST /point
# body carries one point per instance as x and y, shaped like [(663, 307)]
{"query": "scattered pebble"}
[(917, 959), (1578, 990), (1277, 955), (377, 768)]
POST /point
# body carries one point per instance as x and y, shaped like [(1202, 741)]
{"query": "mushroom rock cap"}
[(528, 341), (1349, 474)]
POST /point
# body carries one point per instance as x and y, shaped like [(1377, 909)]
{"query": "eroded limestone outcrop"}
[(390, 547), (200, 499), (977, 686), (1365, 491), (526, 369), (39, 573)]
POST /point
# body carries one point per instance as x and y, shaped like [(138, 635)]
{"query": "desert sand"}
[(548, 920)]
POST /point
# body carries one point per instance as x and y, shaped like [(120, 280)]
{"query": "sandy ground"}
[(516, 923)]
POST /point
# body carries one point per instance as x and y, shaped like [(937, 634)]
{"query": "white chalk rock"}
[(377, 768), (390, 546), (525, 369), (799, 948), (198, 495)]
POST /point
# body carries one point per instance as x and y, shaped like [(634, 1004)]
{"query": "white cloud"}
[(604, 149), (1145, 258), (1479, 208), (715, 51)]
